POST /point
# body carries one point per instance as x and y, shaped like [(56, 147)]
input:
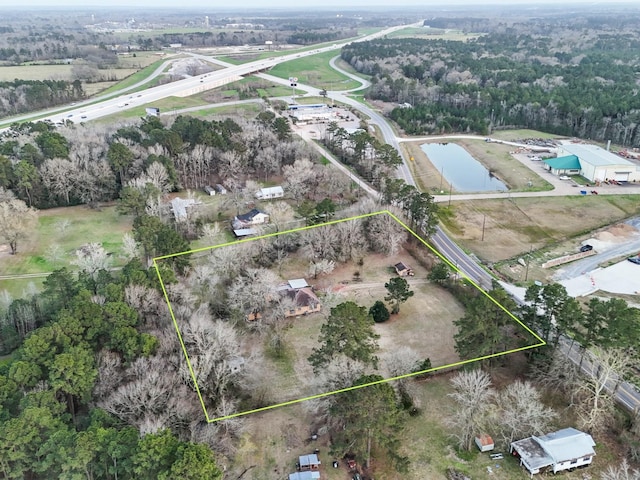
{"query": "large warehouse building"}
[(594, 163)]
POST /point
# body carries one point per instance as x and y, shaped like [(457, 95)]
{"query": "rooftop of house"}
[(179, 206), (245, 217), (555, 447)]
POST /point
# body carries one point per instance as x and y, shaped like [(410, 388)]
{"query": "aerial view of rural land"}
[(319, 240)]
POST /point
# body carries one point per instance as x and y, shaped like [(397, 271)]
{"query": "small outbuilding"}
[(209, 190), (484, 442), (403, 270), (309, 462), (220, 189)]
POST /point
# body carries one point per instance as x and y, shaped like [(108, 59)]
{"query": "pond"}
[(464, 172)]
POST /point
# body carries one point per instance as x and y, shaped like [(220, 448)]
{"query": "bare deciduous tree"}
[(146, 301), (91, 258), (130, 248), (299, 177), (596, 404), (151, 397), (59, 177), (385, 235), (321, 267), (519, 412), (472, 394), (620, 472), (157, 175), (253, 290), (16, 220)]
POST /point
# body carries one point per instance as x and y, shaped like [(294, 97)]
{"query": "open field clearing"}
[(316, 71), (60, 232), (35, 72), (516, 225), (433, 34)]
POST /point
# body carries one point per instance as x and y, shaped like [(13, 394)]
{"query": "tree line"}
[(509, 79), (22, 96)]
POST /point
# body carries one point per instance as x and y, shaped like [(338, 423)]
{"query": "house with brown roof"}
[(303, 299)]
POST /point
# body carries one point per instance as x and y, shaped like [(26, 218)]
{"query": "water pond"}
[(459, 168)]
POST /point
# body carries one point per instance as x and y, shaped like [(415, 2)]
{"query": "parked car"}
[(564, 177), (635, 260), (586, 248)]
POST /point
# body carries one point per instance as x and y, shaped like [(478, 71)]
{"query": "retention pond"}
[(460, 169)]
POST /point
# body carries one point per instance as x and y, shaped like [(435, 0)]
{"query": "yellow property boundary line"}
[(321, 395)]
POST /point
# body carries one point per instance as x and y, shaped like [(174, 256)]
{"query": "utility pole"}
[(450, 188), (526, 272), (484, 219)]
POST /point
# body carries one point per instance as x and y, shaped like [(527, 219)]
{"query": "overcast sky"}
[(297, 4)]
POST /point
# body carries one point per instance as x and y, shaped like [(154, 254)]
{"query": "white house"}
[(270, 192), (565, 449), (594, 163), (253, 217)]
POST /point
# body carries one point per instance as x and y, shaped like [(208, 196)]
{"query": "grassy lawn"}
[(272, 442), (64, 230), (316, 71)]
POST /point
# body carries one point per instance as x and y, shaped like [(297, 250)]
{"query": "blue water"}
[(464, 172)]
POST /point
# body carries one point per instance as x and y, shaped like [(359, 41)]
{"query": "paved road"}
[(92, 109), (83, 104)]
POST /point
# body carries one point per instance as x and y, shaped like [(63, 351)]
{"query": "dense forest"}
[(566, 80), (22, 96)]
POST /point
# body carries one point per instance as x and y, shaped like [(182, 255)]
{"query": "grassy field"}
[(316, 71), (517, 225), (433, 34), (249, 87), (136, 77), (517, 135), (127, 66), (59, 233), (272, 442), (494, 156)]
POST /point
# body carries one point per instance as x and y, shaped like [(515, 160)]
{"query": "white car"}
[(564, 177)]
